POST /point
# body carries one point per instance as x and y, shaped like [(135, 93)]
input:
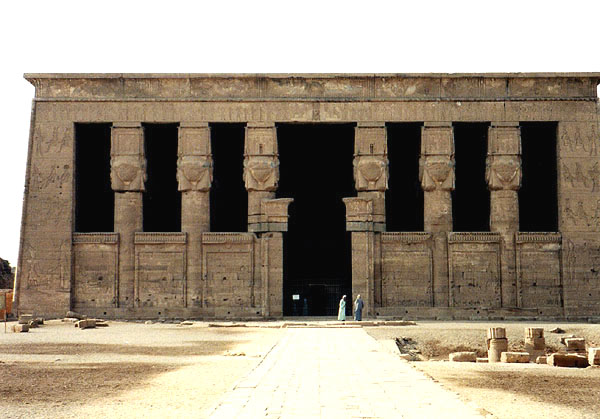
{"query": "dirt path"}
[(125, 370)]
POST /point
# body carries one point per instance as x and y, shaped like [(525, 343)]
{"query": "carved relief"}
[(128, 173), (371, 173), (55, 177), (581, 214), (261, 173), (194, 173), (436, 173), (580, 175), (358, 210), (407, 278), (51, 140), (575, 141), (474, 280), (47, 273), (503, 172)]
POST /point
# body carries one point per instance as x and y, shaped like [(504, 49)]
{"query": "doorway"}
[(316, 170)]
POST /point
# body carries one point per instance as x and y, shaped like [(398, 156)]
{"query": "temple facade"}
[(466, 196)]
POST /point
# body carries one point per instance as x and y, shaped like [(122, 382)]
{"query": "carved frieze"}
[(436, 173)]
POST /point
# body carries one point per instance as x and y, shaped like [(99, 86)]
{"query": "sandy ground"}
[(505, 390), (124, 370)]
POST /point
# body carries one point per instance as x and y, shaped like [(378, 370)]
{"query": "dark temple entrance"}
[(316, 170)]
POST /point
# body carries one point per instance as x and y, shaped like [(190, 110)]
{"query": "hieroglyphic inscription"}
[(229, 277), (581, 175), (539, 279)]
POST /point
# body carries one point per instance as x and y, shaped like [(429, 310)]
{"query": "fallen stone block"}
[(564, 338), (463, 357), (406, 357), (20, 328), (39, 320), (541, 360), (482, 360), (514, 357), (76, 315), (25, 318), (69, 320), (557, 330), (568, 360), (576, 345), (32, 324), (594, 356), (186, 323), (86, 324)]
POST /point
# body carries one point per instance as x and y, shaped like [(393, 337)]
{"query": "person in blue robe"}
[(358, 308), (342, 310)]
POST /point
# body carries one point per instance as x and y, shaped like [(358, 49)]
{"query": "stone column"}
[(436, 172), (503, 175), (261, 168), (359, 220), (127, 174), (371, 167), (194, 175)]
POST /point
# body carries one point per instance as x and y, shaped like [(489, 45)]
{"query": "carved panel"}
[(407, 278), (539, 279), (46, 264), (228, 272), (160, 278), (474, 275), (95, 275)]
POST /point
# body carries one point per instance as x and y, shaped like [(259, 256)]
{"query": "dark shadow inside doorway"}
[(316, 170)]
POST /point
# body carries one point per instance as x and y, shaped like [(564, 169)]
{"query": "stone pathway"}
[(341, 372)]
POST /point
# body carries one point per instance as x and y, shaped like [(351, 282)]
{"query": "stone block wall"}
[(195, 272)]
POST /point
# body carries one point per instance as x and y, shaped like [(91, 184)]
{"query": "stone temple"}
[(261, 196)]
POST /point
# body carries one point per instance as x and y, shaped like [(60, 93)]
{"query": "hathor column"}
[(128, 174), (194, 176), (436, 171), (503, 175), (365, 215)]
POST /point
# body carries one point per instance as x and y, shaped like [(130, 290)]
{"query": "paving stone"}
[(313, 372)]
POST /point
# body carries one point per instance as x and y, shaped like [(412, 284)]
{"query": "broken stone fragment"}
[(482, 360), (563, 338), (25, 318), (594, 356), (20, 328), (86, 324), (514, 357), (557, 330), (76, 315), (541, 360), (463, 357), (32, 324), (576, 345), (568, 360)]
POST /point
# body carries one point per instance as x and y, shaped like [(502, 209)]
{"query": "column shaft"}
[(128, 174), (436, 171), (503, 174)]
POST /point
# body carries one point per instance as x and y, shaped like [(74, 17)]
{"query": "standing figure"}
[(358, 307), (342, 310)]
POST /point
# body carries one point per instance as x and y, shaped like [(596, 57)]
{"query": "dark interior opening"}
[(316, 170), (94, 197), (404, 198), (162, 200), (228, 195), (471, 197), (538, 198)]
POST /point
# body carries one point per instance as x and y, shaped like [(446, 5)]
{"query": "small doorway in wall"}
[(316, 170)]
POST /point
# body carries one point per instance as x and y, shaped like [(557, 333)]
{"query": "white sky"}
[(222, 36)]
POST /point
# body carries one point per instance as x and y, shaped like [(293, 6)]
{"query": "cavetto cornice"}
[(316, 87)]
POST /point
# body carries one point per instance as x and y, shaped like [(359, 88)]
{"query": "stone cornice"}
[(338, 87)]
